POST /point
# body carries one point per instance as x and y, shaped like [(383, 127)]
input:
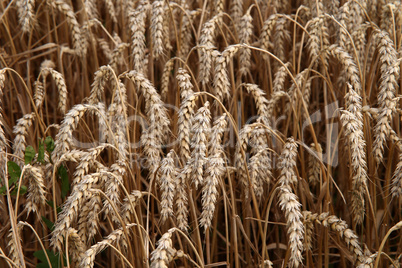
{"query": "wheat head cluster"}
[(228, 133)]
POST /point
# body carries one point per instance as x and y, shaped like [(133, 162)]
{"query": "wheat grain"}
[(314, 165), (21, 131)]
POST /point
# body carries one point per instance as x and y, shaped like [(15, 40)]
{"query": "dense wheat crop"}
[(152, 133)]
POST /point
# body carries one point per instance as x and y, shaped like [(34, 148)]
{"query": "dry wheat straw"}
[(21, 132), (114, 238), (157, 27), (388, 87), (289, 201), (36, 197), (26, 14), (245, 33), (166, 180)]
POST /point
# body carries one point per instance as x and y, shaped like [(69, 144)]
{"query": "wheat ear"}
[(36, 191), (201, 128), (289, 202), (339, 226), (352, 120), (388, 87), (157, 27), (246, 30), (21, 131), (166, 180), (137, 26), (114, 238), (26, 14)]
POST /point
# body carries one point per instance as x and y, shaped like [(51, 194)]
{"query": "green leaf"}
[(29, 154), (49, 142), (41, 152), (54, 259), (48, 223), (14, 171), (3, 189), (65, 184), (23, 190)]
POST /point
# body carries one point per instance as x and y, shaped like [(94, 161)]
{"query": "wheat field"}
[(180, 133)]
